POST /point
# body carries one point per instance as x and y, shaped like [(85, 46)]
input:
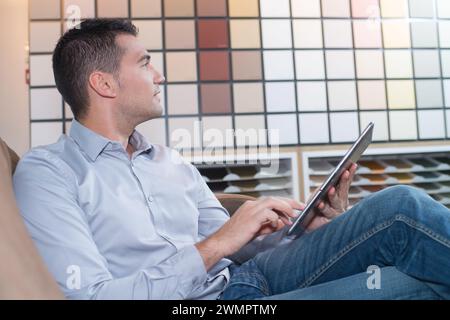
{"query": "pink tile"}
[(367, 33), (365, 9)]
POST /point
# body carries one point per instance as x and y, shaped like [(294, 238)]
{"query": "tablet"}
[(352, 156)]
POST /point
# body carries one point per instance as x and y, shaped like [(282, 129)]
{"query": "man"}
[(116, 217)]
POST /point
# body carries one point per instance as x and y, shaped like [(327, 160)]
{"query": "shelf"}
[(277, 177), (426, 168)]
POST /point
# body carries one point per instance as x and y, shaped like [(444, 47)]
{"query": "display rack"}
[(255, 174), (427, 168)]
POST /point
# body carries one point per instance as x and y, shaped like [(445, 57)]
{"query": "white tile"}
[(396, 33), (424, 34), (447, 120), (421, 8), (150, 33), (443, 8), (431, 124), (250, 130), (310, 64), (218, 132), (369, 64), (45, 104), (282, 129), (447, 92), (274, 8), (154, 131), (394, 9), (445, 60), (379, 118), (313, 128), (280, 96), (305, 8), (44, 36), (278, 65), (342, 95), (41, 70), (429, 94), (426, 63), (344, 126), (45, 133), (276, 33), (371, 94), (184, 133), (398, 64), (338, 33), (336, 8), (312, 96), (444, 34), (340, 64), (403, 125), (307, 33), (248, 97)]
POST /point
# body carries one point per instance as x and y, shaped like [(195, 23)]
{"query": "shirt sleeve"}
[(47, 197)]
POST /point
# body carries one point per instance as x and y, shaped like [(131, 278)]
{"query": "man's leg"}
[(399, 226), (393, 285)]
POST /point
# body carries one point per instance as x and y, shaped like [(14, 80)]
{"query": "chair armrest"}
[(232, 202)]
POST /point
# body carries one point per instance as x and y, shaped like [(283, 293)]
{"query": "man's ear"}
[(103, 83)]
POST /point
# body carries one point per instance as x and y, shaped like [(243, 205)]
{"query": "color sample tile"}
[(318, 71)]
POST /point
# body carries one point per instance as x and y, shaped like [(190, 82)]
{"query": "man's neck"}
[(111, 131)]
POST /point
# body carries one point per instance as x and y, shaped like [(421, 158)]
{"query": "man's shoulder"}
[(51, 155)]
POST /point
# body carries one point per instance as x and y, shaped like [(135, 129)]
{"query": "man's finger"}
[(328, 211), (294, 203)]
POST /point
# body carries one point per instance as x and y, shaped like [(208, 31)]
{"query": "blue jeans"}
[(401, 230)]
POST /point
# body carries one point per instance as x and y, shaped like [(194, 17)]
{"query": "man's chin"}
[(156, 112)]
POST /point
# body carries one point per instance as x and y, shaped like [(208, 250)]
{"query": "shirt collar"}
[(93, 144)]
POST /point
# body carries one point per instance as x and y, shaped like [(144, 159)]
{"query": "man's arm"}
[(267, 216)]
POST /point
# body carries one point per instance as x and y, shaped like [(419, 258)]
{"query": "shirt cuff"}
[(192, 270)]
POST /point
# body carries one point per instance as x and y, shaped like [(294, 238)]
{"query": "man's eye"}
[(146, 64)]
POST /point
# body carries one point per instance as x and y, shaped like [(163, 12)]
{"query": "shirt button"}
[(150, 199)]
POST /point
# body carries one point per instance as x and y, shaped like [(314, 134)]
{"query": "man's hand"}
[(254, 218), (337, 202)]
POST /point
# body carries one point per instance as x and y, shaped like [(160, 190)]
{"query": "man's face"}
[(138, 92)]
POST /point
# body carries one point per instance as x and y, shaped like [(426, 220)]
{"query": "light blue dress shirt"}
[(111, 227)]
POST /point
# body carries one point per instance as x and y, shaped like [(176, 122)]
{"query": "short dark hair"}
[(88, 47)]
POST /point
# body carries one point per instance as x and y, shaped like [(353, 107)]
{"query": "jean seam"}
[(368, 234)]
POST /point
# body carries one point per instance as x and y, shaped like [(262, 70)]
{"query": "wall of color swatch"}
[(316, 70)]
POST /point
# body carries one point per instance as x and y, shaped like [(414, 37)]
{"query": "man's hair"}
[(90, 46)]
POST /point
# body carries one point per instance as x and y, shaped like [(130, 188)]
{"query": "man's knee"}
[(395, 200), (404, 191)]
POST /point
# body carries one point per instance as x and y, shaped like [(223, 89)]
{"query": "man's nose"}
[(158, 78)]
